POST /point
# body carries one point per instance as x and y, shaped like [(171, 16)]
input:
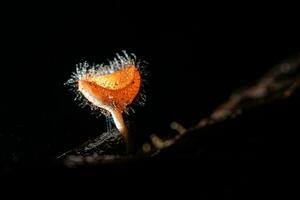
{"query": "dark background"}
[(197, 54)]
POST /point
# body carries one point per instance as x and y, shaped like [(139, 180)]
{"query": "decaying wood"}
[(280, 82)]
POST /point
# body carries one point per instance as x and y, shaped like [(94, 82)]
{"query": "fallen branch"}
[(280, 82)]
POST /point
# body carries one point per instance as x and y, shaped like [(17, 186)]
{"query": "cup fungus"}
[(110, 88)]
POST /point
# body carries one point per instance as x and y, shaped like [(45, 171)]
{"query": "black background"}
[(197, 55)]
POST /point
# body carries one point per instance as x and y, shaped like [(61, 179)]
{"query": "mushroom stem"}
[(119, 122)]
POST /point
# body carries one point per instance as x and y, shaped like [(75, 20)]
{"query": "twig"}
[(280, 82)]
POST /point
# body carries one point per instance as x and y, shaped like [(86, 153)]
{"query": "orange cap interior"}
[(117, 89)]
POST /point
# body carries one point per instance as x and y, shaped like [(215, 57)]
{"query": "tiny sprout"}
[(110, 88)]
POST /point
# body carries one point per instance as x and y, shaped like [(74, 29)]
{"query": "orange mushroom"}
[(111, 88), (113, 92)]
